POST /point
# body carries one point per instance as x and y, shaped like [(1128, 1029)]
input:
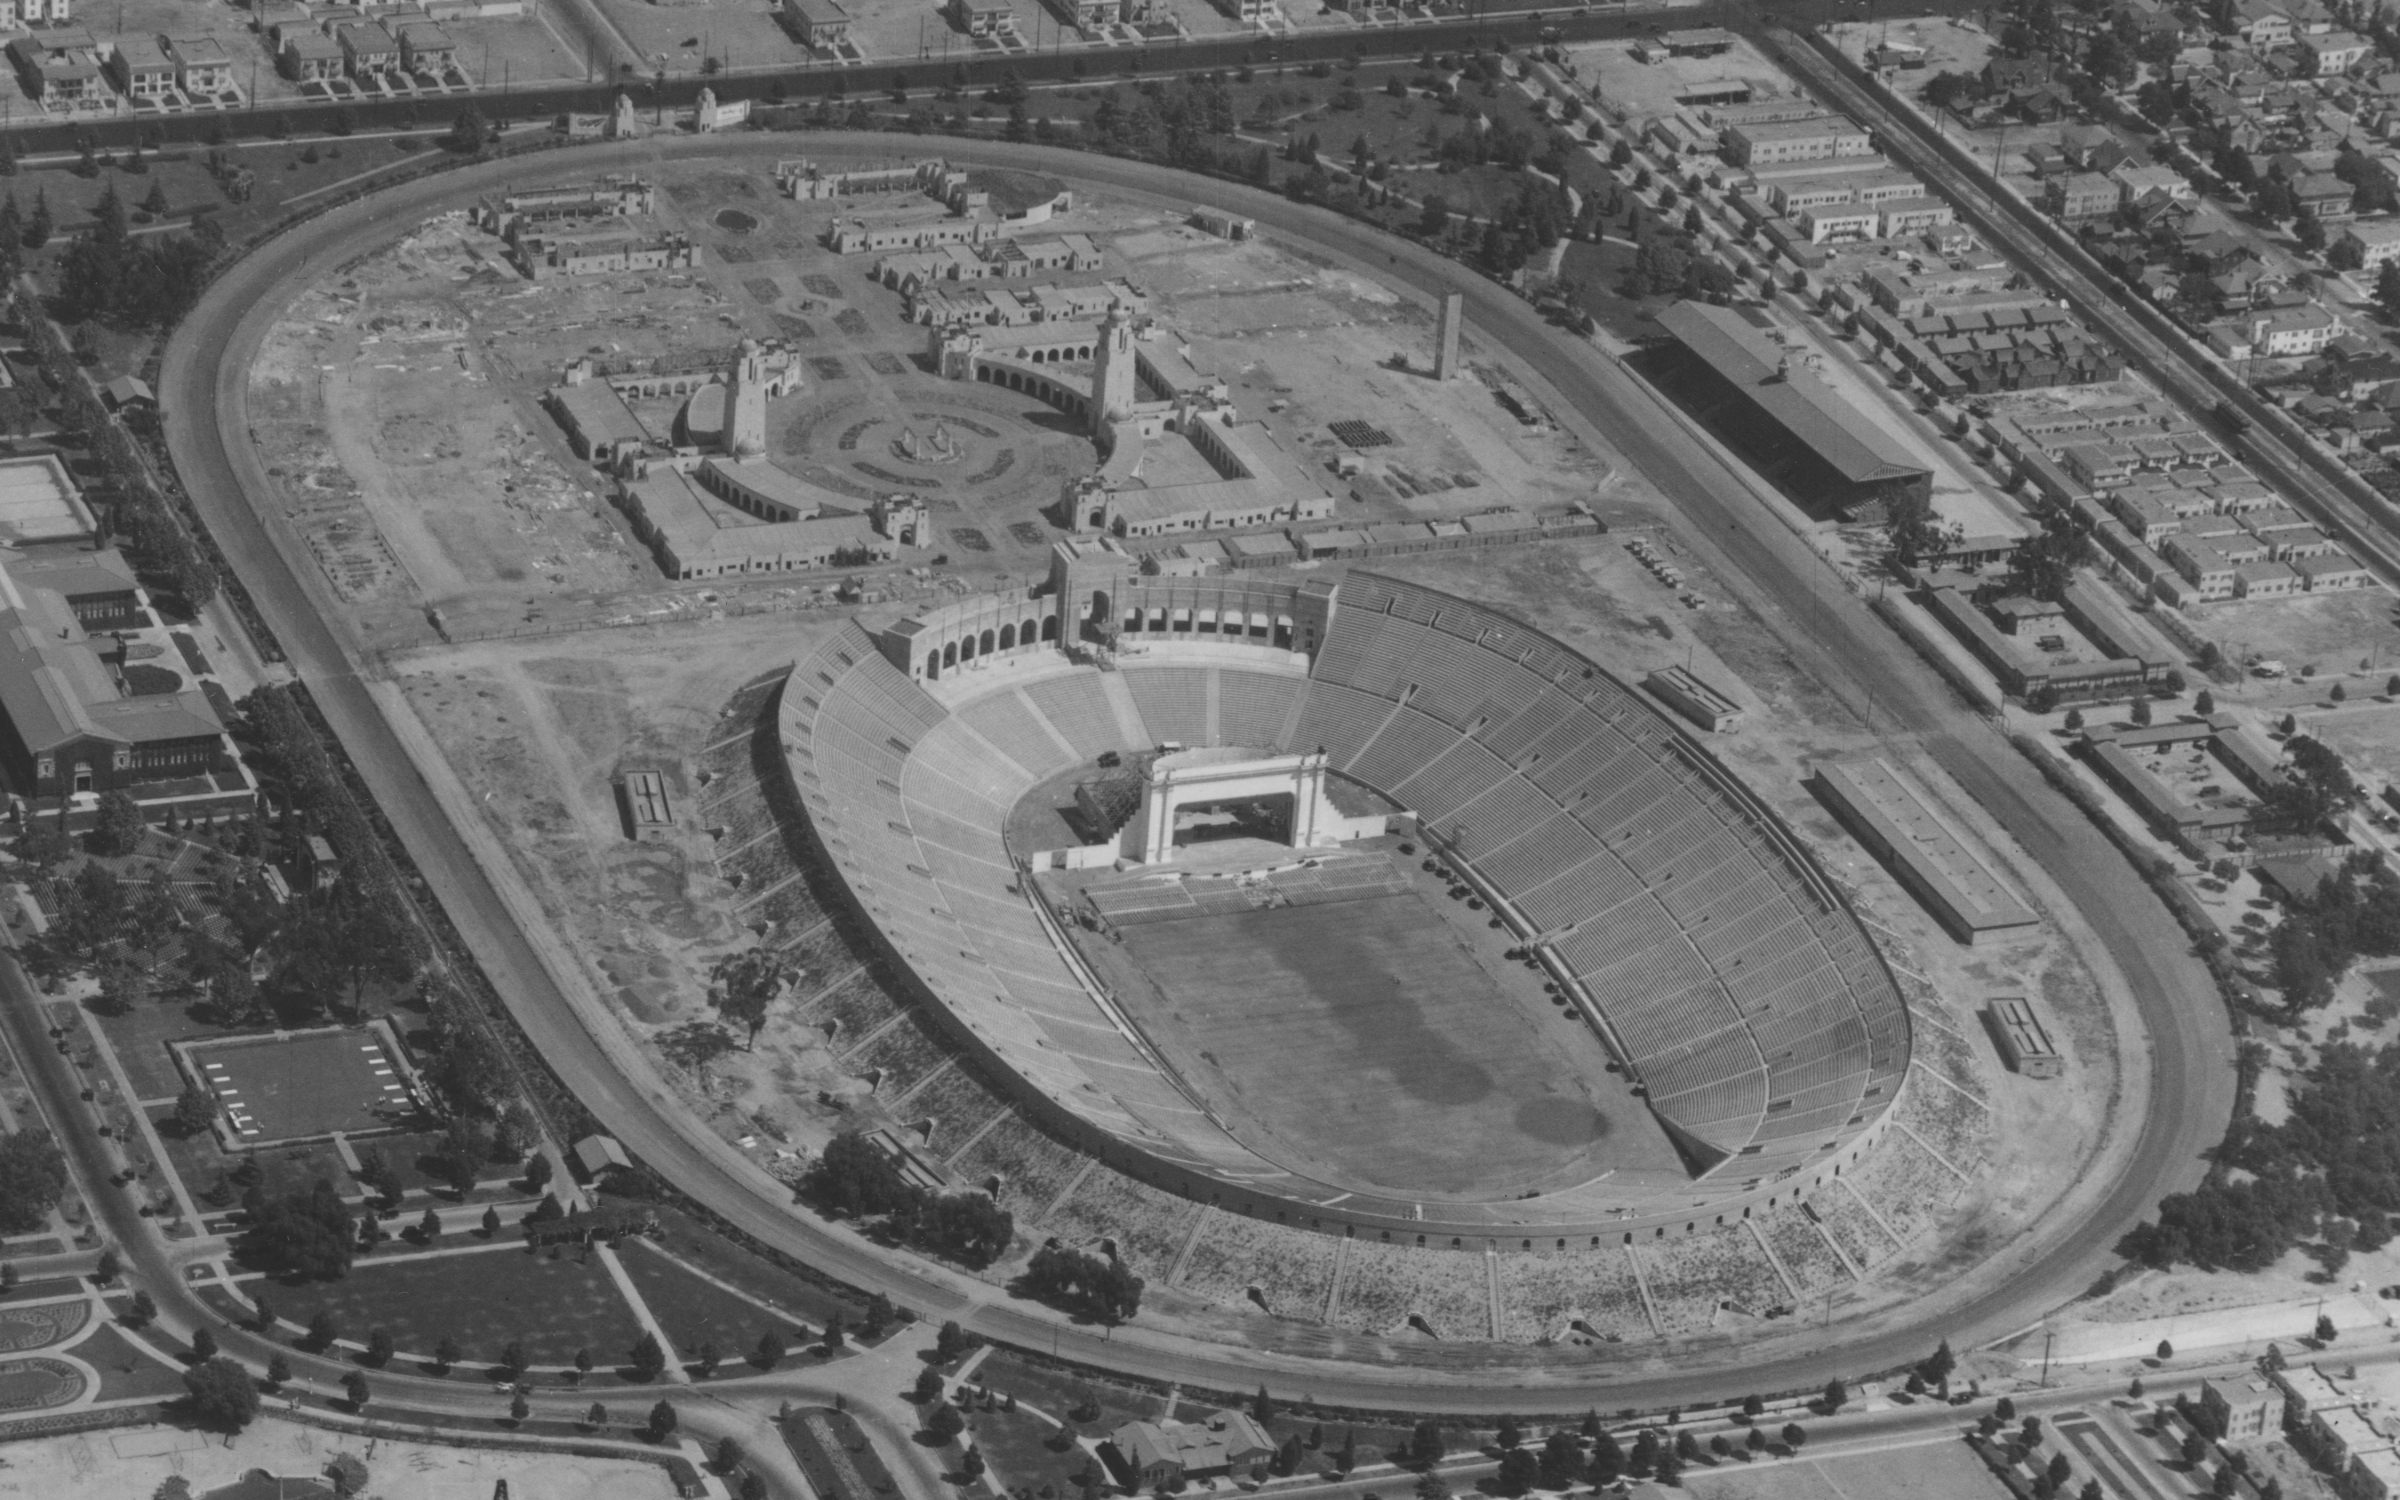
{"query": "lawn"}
[(695, 1312), (140, 1036), (1061, 1393), (483, 1299), (806, 1299), (126, 1371), (1017, 1445)]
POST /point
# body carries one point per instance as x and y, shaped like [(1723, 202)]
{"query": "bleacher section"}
[(1720, 964), (1757, 1017)]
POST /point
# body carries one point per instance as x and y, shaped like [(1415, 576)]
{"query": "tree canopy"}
[(222, 1393), (32, 1175), (308, 1233)]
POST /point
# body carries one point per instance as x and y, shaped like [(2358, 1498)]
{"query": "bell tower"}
[(1112, 380), (746, 405)]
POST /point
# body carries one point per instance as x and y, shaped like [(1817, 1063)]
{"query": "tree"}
[(204, 1343), (1756, 1441), (2045, 563), (744, 984), (32, 1176), (514, 1361), (1794, 1436), (354, 1385), (1835, 1395), (2204, 703), (447, 1353), (2309, 230), (729, 1454), (970, 1463), (663, 1422), (1347, 1459), (120, 826), (649, 1360), (429, 1228), (1518, 1469), (279, 1368), (771, 1350), (222, 1394), (322, 1330), (470, 133), (1936, 1367), (308, 1233), (491, 1222), (584, 1363), (2074, 721), (2325, 1328), (348, 1472), (2061, 1468), (108, 1267), (195, 1108), (944, 1423), (1509, 1435), (928, 1386), (596, 1417), (37, 224), (1432, 1486), (1753, 1407), (518, 1407), (1425, 1446), (1914, 533), (142, 1312)]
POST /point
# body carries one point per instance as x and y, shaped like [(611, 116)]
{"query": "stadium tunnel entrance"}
[(1268, 818)]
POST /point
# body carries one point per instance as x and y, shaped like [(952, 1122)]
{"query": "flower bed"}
[(1956, 1126), (1384, 1285), (1292, 1268), (1147, 1226), (1803, 1250), (1030, 1168), (1906, 1185), (1690, 1277), (1543, 1294)]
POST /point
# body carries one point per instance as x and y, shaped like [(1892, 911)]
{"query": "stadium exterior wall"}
[(1114, 1151)]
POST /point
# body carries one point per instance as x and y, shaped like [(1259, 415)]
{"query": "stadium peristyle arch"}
[(1725, 972)]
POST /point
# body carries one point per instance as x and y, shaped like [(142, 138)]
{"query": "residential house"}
[(2138, 183), (2085, 195), (203, 69), (1166, 1454), (311, 57), (368, 49), (2326, 196), (426, 49), (2334, 52), (818, 23), (141, 69), (2262, 24), (2376, 241), (983, 17)]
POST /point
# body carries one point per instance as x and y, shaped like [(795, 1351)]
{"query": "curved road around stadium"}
[(202, 386)]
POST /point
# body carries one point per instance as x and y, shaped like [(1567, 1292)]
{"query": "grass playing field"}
[(289, 1088), (1377, 1043)]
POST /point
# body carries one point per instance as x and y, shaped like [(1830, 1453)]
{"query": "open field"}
[(1369, 1038), (696, 1314), (281, 1089), (1945, 1469), (483, 1299)]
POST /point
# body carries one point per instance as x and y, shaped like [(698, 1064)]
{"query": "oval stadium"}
[(1346, 905)]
